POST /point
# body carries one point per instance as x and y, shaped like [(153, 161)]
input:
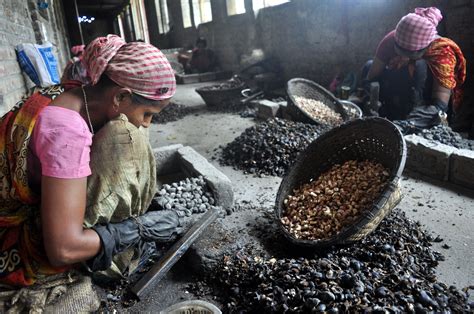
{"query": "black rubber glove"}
[(159, 226), (423, 117), (188, 219)]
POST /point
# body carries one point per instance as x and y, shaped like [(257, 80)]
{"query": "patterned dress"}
[(448, 65), (22, 256)]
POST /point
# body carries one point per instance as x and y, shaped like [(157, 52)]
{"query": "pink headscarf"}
[(139, 66), (77, 49), (417, 30)]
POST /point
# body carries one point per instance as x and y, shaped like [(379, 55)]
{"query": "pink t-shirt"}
[(59, 146)]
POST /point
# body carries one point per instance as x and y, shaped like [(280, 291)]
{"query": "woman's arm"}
[(376, 69), (63, 203)]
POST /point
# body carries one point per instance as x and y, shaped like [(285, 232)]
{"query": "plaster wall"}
[(24, 22)]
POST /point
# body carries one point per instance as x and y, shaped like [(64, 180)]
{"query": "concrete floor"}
[(442, 211)]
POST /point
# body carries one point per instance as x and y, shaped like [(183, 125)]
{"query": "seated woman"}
[(418, 70), (78, 173), (202, 59)]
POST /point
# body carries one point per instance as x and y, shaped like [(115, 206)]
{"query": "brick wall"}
[(23, 22)]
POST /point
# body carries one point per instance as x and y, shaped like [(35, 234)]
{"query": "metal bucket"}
[(352, 110)]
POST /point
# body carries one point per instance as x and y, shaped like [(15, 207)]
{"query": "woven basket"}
[(311, 90), (373, 139), (220, 96)]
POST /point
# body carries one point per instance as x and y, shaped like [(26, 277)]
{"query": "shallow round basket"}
[(374, 139), (311, 90), (352, 110), (192, 306), (219, 96)]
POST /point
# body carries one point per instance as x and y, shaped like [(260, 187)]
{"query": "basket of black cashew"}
[(220, 94), (343, 185), (309, 102)]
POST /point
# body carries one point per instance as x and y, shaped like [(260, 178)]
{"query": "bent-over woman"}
[(420, 73), (77, 172)]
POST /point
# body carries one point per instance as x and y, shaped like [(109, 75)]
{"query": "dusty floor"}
[(442, 211)]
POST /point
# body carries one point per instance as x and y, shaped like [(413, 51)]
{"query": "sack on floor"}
[(62, 293), (39, 63)]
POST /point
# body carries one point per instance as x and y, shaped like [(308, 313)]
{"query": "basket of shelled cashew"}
[(343, 185), (309, 102)]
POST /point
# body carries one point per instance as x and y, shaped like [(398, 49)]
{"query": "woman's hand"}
[(63, 203), (161, 226)]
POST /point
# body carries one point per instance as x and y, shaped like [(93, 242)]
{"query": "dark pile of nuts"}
[(318, 111), (445, 135), (172, 112), (390, 271), (337, 198), (190, 194), (270, 147)]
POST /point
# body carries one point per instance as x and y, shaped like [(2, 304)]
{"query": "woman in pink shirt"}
[(77, 173)]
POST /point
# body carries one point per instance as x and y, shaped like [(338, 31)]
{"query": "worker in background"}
[(78, 175), (75, 73), (77, 51), (420, 73), (202, 59)]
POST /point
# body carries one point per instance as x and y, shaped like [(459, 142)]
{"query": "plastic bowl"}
[(192, 307)]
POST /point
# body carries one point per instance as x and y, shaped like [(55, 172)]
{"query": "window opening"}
[(186, 12), (120, 25), (260, 4), (202, 11), (235, 7), (136, 19), (163, 16)]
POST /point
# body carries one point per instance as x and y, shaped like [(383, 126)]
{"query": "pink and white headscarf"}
[(417, 30), (139, 66), (77, 49)]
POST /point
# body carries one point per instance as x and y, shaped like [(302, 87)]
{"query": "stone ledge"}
[(167, 159), (439, 161), (461, 168), (267, 109), (176, 161), (427, 157), (195, 164)]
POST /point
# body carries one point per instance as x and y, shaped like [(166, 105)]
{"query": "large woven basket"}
[(311, 90), (373, 139), (219, 97)]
